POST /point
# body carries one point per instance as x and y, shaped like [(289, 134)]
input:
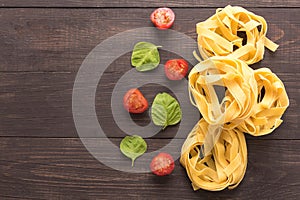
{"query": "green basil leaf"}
[(145, 56), (133, 147), (165, 110)]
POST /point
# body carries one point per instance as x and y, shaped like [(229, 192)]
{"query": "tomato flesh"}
[(134, 101), (176, 69), (163, 18), (162, 164)]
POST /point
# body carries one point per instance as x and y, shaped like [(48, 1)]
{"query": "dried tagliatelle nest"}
[(234, 31), (239, 90), (272, 101), (223, 167)]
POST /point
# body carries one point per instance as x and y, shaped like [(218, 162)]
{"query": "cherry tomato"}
[(134, 101), (176, 69), (162, 164), (163, 18)]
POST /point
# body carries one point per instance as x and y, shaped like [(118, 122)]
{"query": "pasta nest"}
[(234, 32), (272, 101), (224, 167), (224, 90)]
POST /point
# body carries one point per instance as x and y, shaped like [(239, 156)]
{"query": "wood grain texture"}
[(146, 3), (63, 169), (57, 40), (40, 105), (43, 44), (60, 39)]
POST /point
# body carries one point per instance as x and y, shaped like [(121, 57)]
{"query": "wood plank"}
[(39, 104), (62, 168), (60, 39), (145, 3)]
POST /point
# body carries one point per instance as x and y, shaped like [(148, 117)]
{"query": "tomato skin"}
[(163, 18), (134, 101), (176, 69), (162, 164)]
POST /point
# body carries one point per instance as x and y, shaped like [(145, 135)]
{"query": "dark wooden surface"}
[(42, 47), (146, 3)]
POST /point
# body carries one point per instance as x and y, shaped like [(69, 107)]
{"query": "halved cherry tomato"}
[(163, 18), (176, 69), (162, 164), (134, 101)]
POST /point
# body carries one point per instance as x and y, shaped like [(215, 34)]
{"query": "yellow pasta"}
[(224, 167), (272, 102), (232, 98), (239, 90), (220, 35), (253, 102)]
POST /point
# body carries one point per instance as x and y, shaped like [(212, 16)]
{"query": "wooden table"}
[(43, 45)]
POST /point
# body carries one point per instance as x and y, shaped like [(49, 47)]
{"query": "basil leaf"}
[(145, 56), (133, 147), (165, 110)]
